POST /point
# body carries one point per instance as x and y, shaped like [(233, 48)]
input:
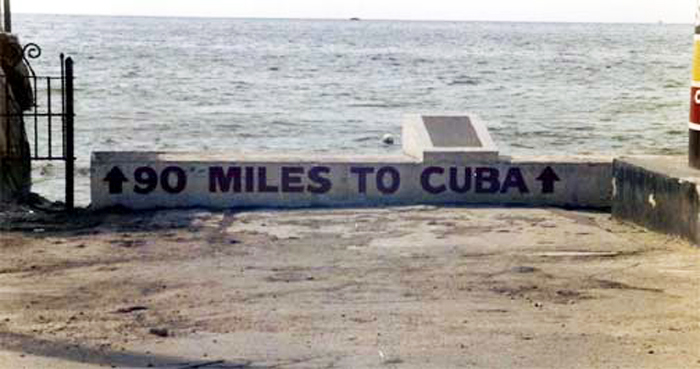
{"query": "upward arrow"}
[(548, 177), (115, 178)]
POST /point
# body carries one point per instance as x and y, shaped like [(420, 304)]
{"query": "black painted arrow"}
[(548, 177), (115, 178)]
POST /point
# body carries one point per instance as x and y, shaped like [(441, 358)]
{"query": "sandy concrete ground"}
[(414, 287)]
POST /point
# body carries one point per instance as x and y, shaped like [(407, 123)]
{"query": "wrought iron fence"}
[(49, 121)]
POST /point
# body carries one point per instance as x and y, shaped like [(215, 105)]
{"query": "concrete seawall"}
[(447, 159), (145, 180), (658, 192)]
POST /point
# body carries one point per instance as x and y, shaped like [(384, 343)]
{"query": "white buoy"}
[(388, 139)]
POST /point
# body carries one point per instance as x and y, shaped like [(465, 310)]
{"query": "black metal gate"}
[(49, 122)]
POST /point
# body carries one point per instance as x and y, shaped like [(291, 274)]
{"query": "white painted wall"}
[(157, 180)]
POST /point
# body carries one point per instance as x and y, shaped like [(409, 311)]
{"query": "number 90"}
[(147, 180)]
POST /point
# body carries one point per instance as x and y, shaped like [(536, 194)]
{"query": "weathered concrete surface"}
[(658, 192), (146, 180), (407, 288)]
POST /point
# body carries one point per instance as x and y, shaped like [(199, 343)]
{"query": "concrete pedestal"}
[(447, 139), (658, 192)]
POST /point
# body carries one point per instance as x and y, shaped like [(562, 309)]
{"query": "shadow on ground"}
[(33, 346)]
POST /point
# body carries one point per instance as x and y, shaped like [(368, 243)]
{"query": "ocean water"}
[(337, 86)]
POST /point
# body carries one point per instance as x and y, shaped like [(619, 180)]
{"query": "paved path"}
[(394, 288)]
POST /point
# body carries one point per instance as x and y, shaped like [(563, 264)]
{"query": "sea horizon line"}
[(353, 18)]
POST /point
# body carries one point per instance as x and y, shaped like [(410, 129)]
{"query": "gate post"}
[(70, 147), (8, 16), (694, 124)]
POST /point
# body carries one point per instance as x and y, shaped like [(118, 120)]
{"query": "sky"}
[(642, 11)]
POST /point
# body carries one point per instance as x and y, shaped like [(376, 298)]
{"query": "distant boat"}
[(355, 19)]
